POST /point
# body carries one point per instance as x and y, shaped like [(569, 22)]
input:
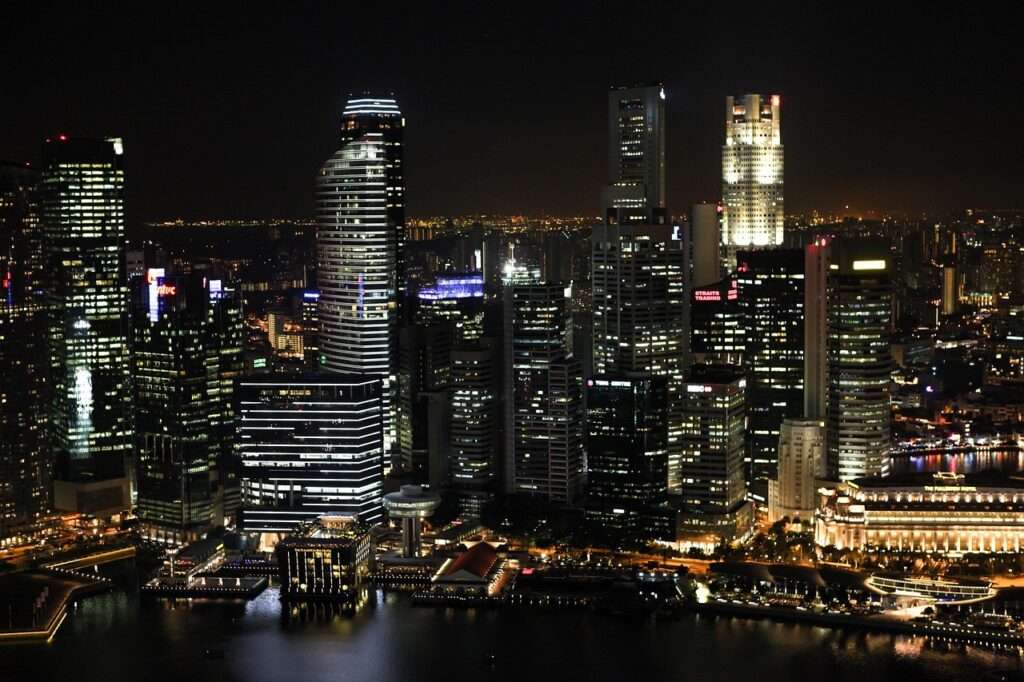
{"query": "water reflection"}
[(1008, 461)]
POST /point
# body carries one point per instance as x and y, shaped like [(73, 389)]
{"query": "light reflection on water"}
[(1008, 461)]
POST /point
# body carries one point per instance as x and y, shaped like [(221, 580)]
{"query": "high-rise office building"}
[(640, 262), (83, 218), (771, 291), (310, 446), (456, 299), (187, 350), (816, 258), (473, 433), (310, 317), (627, 457), (859, 361), (801, 465), (360, 244), (713, 486), (718, 319), (752, 174), (636, 154), (424, 373), (24, 389), (543, 396), (706, 244)]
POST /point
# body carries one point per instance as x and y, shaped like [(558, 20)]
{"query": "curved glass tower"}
[(361, 220)]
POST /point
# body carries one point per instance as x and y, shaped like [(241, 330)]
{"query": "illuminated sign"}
[(166, 290), (869, 265)]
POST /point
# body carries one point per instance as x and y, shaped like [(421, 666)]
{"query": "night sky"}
[(229, 112)]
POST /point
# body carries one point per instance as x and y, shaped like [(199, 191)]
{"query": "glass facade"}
[(360, 242), (83, 217)]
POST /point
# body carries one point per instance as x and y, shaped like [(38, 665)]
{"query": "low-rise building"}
[(945, 513)]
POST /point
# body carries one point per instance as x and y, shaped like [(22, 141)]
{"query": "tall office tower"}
[(543, 396), (186, 355), (310, 312), (360, 244), (718, 317), (950, 288), (455, 299), (713, 486), (816, 259), (706, 241), (801, 464), (771, 290), (752, 174), (636, 154), (473, 456), (310, 446), (641, 313), (83, 217), (859, 363), (424, 372), (24, 390), (627, 452)]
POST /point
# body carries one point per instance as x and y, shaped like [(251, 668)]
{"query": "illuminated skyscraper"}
[(83, 219), (713, 485), (361, 237), (636, 153), (473, 428), (24, 399), (639, 262), (752, 174), (801, 463), (543, 399), (771, 291), (186, 355), (859, 362), (310, 446)]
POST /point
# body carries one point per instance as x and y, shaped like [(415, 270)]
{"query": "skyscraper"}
[(706, 242), (713, 485), (752, 180), (83, 217), (310, 446), (361, 274), (816, 257), (627, 455), (186, 354), (859, 362), (24, 398), (771, 291), (636, 153), (473, 430), (640, 262), (543, 396)]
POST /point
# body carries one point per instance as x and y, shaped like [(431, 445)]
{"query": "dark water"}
[(117, 637)]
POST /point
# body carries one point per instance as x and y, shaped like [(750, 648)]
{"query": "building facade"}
[(801, 465), (636, 153), (859, 361), (713, 484), (941, 513), (25, 462), (543, 396), (187, 352), (309, 446), (360, 244), (473, 434), (83, 218), (752, 174), (771, 292)]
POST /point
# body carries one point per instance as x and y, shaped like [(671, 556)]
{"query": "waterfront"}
[(390, 640), (124, 637)]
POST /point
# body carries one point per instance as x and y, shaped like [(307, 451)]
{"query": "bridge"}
[(97, 557)]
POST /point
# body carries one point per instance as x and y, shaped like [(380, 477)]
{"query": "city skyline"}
[(218, 121)]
